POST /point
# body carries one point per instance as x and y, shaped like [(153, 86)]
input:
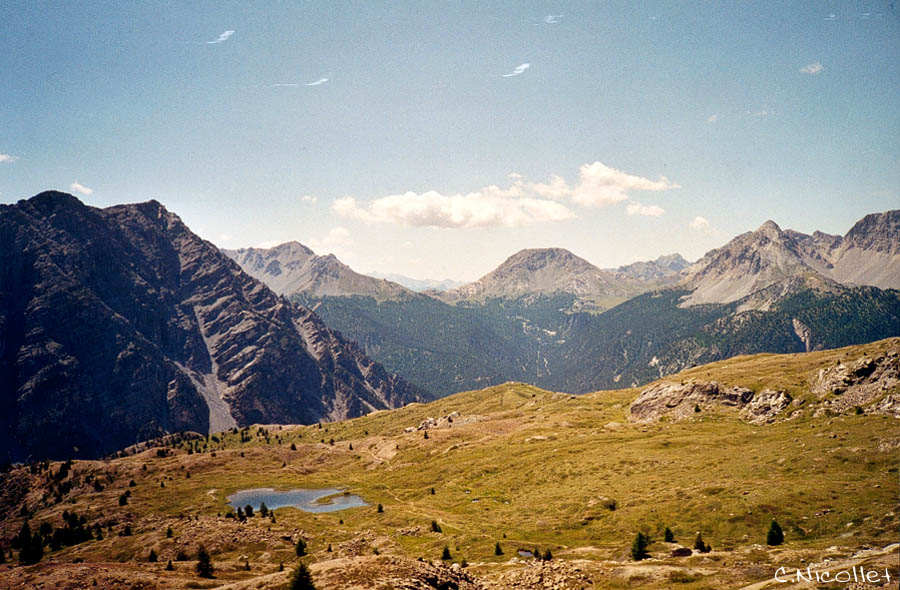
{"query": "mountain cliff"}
[(292, 268), (119, 324)]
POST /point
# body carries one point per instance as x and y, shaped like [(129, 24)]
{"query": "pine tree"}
[(263, 510), (668, 536), (169, 566), (204, 563), (445, 554), (169, 533), (33, 550), (301, 547), (639, 547), (435, 527), (380, 508), (152, 558), (700, 546), (547, 555), (497, 549), (775, 535), (302, 580), (248, 511)]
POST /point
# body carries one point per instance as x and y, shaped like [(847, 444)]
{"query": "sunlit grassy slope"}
[(526, 467)]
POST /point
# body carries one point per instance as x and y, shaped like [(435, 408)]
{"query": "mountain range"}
[(550, 318), (120, 324)]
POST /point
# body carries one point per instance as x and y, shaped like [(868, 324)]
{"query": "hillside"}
[(516, 466), (119, 325)]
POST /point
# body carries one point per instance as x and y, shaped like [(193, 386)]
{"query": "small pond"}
[(323, 500)]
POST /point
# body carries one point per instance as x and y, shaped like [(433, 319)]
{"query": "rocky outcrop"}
[(680, 401), (358, 573), (664, 270), (118, 325), (860, 382), (292, 268)]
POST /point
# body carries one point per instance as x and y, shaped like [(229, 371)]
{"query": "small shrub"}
[(435, 527)]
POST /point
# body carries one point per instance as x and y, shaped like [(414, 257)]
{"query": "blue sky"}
[(434, 139)]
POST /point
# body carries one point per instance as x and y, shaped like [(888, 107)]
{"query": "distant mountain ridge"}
[(291, 268), (869, 254), (419, 285), (120, 324), (665, 269), (547, 272)]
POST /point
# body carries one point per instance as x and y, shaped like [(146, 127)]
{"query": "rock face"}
[(293, 268), (679, 401), (869, 254), (544, 271), (861, 382), (119, 324)]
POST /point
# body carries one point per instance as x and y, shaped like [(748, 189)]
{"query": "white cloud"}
[(318, 82), (552, 19), (490, 207), (310, 199), (700, 224), (761, 114), (80, 188), (635, 208), (7, 159), (518, 71), (519, 204), (712, 118), (602, 186), (557, 188), (813, 68), (336, 241), (222, 38), (224, 238)]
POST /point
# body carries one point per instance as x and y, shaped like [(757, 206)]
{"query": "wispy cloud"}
[(700, 224), (635, 208), (761, 114), (309, 199), (712, 118), (286, 85), (318, 82), (77, 187), (222, 38), (518, 71), (337, 241), (601, 186), (831, 16), (7, 159), (552, 19), (813, 68), (519, 204)]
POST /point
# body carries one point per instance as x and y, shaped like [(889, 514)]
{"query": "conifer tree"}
[(639, 547), (204, 563), (775, 536), (700, 546), (668, 536), (301, 547), (445, 554), (152, 558), (302, 580), (497, 549)]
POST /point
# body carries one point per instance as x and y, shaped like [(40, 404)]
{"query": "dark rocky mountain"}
[(869, 254), (119, 324), (293, 268)]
